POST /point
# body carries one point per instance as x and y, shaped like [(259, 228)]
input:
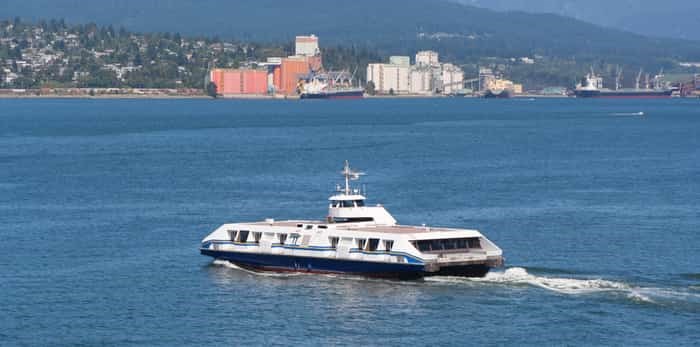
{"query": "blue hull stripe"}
[(316, 264), (411, 259)]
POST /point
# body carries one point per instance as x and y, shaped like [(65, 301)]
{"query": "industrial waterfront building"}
[(427, 76), (427, 58), (389, 78), (421, 80), (452, 79), (277, 75), (306, 46), (239, 81)]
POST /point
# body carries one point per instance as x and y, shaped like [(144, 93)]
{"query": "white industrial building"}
[(402, 60), (389, 78), (452, 79), (427, 58), (426, 77), (306, 46), (421, 80)]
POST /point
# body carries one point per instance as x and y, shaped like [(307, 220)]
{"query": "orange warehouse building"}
[(239, 81), (277, 78), (292, 69)]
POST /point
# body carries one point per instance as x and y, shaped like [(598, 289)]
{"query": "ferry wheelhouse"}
[(355, 238)]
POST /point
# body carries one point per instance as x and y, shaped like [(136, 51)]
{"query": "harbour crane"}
[(639, 77)]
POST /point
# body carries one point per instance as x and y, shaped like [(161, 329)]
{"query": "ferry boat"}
[(355, 238)]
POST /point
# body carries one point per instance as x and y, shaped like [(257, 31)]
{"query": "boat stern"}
[(464, 256)]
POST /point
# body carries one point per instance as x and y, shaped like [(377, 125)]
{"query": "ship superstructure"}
[(355, 238)]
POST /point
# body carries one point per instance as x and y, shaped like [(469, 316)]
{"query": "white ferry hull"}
[(309, 264)]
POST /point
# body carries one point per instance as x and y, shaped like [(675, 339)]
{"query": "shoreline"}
[(189, 94), (88, 97)]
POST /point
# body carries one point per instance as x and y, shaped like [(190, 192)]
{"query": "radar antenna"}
[(350, 175)]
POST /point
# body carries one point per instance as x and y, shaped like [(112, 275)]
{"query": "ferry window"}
[(348, 203), (293, 239), (447, 244), (450, 244), (232, 235), (257, 235), (388, 245), (423, 245), (333, 241), (243, 236), (323, 227), (461, 243), (283, 238), (361, 243), (335, 203), (373, 245), (308, 227), (359, 203), (353, 220)]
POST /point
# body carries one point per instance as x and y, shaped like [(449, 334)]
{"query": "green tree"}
[(211, 90), (370, 88)]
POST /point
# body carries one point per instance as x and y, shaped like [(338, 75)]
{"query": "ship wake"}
[(628, 114), (518, 275), (579, 286)]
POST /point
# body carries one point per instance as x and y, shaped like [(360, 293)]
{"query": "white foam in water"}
[(520, 276), (231, 265), (561, 285), (572, 286), (628, 114)]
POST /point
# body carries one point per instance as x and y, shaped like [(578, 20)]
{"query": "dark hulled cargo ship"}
[(625, 93), (356, 93), (498, 94), (592, 87)]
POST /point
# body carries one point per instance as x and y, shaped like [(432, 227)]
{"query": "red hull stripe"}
[(627, 97)]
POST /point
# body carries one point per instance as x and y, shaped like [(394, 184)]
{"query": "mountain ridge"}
[(677, 19), (396, 27)]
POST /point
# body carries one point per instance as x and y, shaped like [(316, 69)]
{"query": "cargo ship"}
[(498, 94), (592, 87), (350, 93), (323, 86)]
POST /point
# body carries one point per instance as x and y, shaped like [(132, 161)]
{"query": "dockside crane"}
[(639, 78)]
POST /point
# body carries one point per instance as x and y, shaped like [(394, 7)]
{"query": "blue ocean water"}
[(103, 204)]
